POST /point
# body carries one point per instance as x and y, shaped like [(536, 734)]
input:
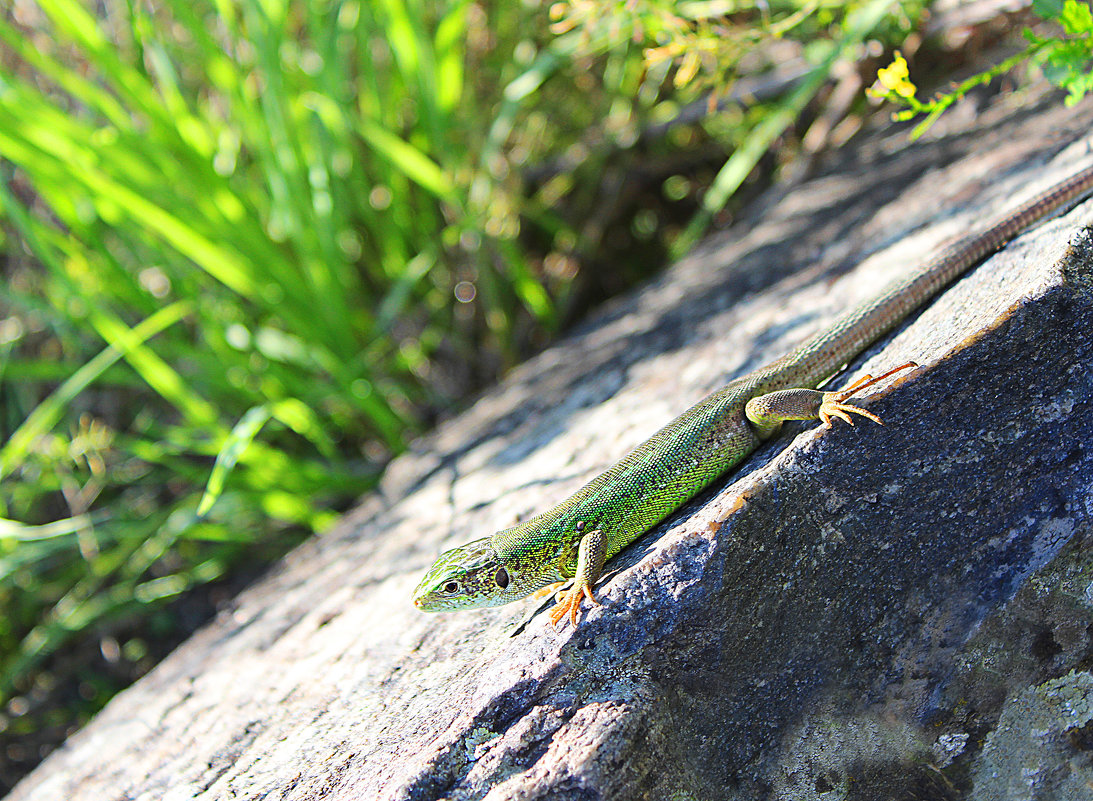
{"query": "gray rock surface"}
[(871, 613)]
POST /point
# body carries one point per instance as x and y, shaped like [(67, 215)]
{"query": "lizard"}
[(572, 541)]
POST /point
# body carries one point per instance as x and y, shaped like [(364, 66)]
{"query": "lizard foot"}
[(569, 602), (833, 406), (556, 587)]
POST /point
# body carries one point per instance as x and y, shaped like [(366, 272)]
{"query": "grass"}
[(252, 247), (247, 207), (235, 226)]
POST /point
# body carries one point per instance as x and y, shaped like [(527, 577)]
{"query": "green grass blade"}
[(240, 438)]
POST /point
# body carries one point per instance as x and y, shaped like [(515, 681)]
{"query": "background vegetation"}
[(251, 247)]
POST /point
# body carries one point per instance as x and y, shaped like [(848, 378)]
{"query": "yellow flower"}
[(894, 78)]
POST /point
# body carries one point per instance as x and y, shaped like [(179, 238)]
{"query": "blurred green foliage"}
[(1065, 57)]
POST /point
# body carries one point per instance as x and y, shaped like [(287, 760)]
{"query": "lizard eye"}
[(501, 577), (452, 587)]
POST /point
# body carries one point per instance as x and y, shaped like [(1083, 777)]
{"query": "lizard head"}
[(468, 577)]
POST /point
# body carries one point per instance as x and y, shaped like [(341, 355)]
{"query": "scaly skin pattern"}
[(702, 444)]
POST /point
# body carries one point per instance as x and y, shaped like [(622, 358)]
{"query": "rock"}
[(1031, 752), (895, 612)]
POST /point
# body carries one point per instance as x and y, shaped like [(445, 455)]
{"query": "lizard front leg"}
[(768, 412), (591, 555)]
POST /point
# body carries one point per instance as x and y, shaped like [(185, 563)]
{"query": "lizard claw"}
[(555, 588), (569, 603), (833, 406)]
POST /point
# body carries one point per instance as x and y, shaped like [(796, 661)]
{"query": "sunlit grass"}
[(256, 209)]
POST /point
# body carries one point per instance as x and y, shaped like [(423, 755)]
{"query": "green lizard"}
[(575, 538)]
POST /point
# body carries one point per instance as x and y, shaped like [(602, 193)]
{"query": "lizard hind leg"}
[(767, 412)]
